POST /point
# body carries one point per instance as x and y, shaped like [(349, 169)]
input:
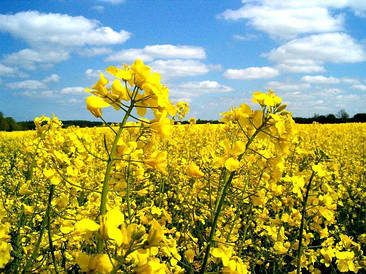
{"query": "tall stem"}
[(44, 222), (214, 224), (107, 175), (303, 216), (52, 249), (222, 200)]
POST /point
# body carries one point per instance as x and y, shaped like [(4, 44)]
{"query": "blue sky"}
[(213, 54)]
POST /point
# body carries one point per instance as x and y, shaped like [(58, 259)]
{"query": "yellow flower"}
[(111, 221), (319, 169), (83, 261), (158, 161), (5, 247), (101, 264), (100, 85), (265, 99), (328, 254), (194, 171), (280, 248), (141, 72), (189, 255), (95, 104), (28, 210), (121, 92), (86, 225), (124, 74), (345, 261), (161, 125), (232, 164), (156, 234)]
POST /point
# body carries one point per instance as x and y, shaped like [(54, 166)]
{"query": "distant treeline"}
[(331, 119), (29, 125), (9, 124), (341, 117)]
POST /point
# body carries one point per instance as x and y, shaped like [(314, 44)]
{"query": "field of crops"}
[(257, 193)]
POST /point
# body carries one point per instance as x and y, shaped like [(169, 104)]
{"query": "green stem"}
[(303, 216), (51, 242), (222, 199), (107, 175), (214, 224), (128, 191), (44, 222)]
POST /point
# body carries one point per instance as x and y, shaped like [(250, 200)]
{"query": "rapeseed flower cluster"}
[(257, 193)]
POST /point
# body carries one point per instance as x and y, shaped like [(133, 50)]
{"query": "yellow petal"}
[(95, 102), (232, 164), (86, 225)]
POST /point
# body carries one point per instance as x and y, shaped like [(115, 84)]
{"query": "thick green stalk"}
[(107, 175), (303, 216), (128, 192), (22, 217), (222, 200), (44, 223), (214, 224), (52, 249)]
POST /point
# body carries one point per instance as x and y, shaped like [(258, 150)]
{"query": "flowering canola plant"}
[(255, 193)]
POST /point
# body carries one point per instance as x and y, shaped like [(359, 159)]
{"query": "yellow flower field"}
[(257, 193)]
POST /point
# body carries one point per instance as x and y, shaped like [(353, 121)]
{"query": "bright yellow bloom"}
[(86, 225), (189, 255), (194, 171), (232, 164), (120, 91), (95, 104), (124, 74), (5, 247), (110, 225), (345, 261), (101, 264), (158, 161), (156, 234)]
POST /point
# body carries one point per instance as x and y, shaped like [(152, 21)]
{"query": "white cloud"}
[(177, 68), (283, 86), (92, 73), (89, 52), (73, 90), (193, 89), (28, 58), (359, 87), (74, 100), (98, 8), (5, 70), (300, 66), (38, 94), (330, 91), (47, 29), (11, 72), (27, 84), (214, 67), (152, 52), (320, 79), (52, 78), (351, 81), (129, 55), (328, 47), (245, 37), (286, 21), (251, 73)]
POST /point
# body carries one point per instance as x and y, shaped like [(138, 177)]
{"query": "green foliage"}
[(8, 123)]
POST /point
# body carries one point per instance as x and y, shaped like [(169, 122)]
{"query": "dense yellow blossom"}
[(257, 193)]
